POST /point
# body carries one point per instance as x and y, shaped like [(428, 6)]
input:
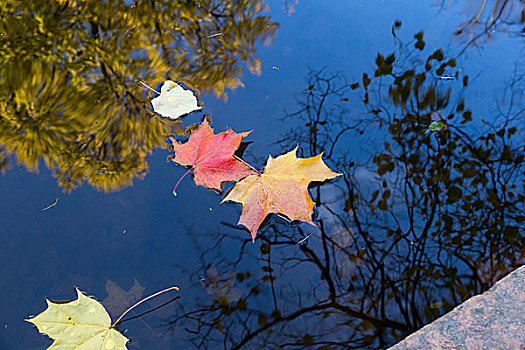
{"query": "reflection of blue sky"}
[(346, 36), (84, 233)]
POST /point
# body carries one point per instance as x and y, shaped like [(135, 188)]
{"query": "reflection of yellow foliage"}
[(68, 73), (255, 66), (5, 163)]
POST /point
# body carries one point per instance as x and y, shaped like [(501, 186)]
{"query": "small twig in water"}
[(129, 30), (52, 205), (140, 302), (214, 35), (304, 239)]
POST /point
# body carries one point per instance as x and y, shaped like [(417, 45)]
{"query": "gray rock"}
[(492, 320)]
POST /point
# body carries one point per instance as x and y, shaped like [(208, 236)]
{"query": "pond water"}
[(421, 219)]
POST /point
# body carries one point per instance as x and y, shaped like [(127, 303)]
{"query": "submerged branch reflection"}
[(486, 18), (420, 222)]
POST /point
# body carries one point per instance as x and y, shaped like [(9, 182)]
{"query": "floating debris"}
[(52, 205), (304, 239), (447, 77), (276, 67), (214, 35), (438, 124), (129, 30)]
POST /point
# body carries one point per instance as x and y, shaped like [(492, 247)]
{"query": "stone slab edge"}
[(492, 320)]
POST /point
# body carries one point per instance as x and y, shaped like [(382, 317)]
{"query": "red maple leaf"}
[(211, 157)]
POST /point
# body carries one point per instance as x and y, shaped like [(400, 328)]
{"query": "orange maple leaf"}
[(211, 157), (282, 188)]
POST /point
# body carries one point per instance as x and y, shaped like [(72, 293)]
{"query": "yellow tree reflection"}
[(68, 73)]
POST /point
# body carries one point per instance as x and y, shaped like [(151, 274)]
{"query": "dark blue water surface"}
[(419, 222)]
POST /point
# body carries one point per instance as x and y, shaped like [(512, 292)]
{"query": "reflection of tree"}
[(322, 102), (487, 17), (434, 219), (68, 73), (289, 6), (4, 161)]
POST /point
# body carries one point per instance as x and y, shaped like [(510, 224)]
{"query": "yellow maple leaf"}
[(282, 188), (79, 324)]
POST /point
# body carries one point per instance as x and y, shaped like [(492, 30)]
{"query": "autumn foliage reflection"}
[(69, 69)]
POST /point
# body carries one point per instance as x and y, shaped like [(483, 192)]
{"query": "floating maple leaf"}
[(79, 324), (211, 157), (174, 101), (282, 188)]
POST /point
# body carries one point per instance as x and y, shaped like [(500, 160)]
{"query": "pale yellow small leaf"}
[(174, 101)]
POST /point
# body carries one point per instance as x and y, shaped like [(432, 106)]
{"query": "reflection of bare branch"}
[(499, 15), (431, 219)]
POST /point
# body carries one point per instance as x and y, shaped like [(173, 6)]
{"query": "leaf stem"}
[(178, 182), (140, 302), (147, 312), (146, 85), (251, 167)]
